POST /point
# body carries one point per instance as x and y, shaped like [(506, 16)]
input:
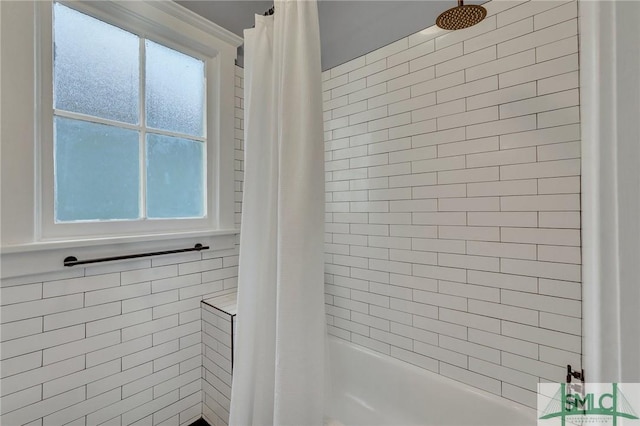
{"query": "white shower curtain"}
[(279, 360)]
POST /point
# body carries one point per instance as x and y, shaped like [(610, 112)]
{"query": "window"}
[(129, 127), (134, 113)]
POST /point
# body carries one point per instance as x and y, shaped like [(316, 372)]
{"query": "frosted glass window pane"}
[(175, 90), (96, 171), (96, 67), (175, 177)]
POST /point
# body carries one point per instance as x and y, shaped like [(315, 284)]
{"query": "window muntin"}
[(129, 125)]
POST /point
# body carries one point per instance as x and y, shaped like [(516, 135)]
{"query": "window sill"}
[(99, 241), (47, 256)]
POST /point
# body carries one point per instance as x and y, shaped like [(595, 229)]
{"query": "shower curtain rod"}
[(270, 11)]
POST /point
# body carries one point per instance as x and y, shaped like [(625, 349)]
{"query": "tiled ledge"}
[(218, 332)]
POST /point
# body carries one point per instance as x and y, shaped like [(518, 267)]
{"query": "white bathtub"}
[(368, 388)]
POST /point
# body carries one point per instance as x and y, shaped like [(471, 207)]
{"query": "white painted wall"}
[(453, 199), (17, 124)]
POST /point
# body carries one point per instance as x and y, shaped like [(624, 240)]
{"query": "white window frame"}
[(172, 26)]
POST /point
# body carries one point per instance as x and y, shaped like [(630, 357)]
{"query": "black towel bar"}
[(73, 261)]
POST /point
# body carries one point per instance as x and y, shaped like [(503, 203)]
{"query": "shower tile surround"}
[(113, 344), (453, 199), (453, 238)]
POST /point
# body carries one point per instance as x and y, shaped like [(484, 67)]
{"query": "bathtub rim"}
[(427, 374)]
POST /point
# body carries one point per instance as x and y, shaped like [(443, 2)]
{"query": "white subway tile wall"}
[(453, 199), (113, 344)]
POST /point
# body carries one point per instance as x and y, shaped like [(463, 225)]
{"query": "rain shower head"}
[(461, 16)]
